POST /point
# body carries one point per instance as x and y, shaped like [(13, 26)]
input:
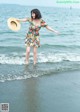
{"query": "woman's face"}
[(33, 15)]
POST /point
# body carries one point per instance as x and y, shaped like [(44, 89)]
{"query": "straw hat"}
[(13, 24)]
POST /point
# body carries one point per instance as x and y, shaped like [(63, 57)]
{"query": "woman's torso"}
[(35, 26)]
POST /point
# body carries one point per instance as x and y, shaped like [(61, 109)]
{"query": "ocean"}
[(58, 53)]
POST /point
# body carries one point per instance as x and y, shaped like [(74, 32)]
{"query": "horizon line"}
[(39, 5)]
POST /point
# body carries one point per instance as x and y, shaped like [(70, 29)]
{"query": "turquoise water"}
[(57, 52)]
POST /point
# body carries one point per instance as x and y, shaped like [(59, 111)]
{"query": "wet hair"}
[(37, 14)]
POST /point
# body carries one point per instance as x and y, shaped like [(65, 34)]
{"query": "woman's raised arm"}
[(22, 20)]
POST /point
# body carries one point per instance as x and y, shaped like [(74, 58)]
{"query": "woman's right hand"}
[(18, 20)]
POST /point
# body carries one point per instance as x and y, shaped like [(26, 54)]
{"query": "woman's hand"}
[(18, 20), (57, 32)]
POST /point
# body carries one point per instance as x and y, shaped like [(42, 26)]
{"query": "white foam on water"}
[(9, 77), (59, 57), (42, 58)]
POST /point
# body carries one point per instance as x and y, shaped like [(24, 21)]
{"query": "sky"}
[(50, 3)]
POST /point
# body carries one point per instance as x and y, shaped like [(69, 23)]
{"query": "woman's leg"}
[(38, 41), (27, 54), (35, 54)]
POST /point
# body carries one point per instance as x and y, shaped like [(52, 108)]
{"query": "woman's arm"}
[(22, 20), (50, 29)]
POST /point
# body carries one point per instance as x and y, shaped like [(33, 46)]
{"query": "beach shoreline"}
[(58, 92)]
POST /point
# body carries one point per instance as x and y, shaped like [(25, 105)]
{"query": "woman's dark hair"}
[(37, 14)]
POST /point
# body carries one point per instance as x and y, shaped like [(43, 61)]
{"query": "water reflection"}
[(31, 91)]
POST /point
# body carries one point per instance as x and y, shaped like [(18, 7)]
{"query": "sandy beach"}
[(58, 92)]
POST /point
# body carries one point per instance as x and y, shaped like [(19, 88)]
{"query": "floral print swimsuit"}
[(32, 38)]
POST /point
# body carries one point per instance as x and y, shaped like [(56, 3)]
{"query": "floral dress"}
[(32, 38)]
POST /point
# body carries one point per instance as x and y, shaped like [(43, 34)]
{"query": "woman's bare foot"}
[(27, 62), (35, 63)]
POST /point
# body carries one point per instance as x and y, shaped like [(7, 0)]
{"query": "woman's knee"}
[(35, 51), (28, 50)]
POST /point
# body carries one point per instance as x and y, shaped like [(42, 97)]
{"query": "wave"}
[(7, 32), (61, 46), (59, 57), (17, 48), (11, 49), (19, 59), (11, 34), (18, 72)]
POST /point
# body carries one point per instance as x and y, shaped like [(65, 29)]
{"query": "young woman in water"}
[(32, 38)]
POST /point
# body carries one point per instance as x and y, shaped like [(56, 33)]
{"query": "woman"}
[(32, 38)]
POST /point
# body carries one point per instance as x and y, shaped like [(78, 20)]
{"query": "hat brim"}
[(13, 24)]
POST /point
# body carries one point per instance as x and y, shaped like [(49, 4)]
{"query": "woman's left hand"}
[(57, 32)]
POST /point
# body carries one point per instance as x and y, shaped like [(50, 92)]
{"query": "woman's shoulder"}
[(43, 19), (43, 23), (29, 19)]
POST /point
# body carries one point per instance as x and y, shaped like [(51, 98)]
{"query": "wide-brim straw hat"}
[(13, 24)]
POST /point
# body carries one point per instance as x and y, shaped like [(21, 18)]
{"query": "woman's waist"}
[(32, 35)]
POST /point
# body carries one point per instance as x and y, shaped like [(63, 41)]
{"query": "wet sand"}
[(58, 92)]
